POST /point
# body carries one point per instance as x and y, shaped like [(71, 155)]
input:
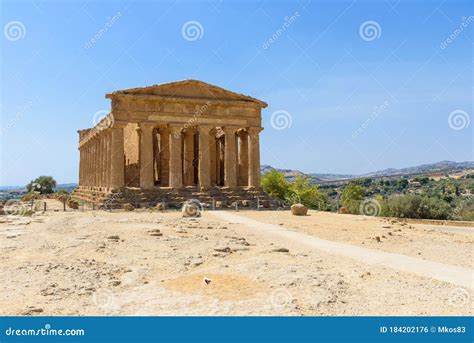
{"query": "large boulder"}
[(298, 210), (191, 208)]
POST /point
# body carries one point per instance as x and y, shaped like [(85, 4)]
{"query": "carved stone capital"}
[(230, 130)]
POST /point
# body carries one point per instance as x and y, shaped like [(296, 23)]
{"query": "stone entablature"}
[(174, 135)]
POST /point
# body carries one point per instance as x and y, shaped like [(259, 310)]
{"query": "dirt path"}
[(444, 272)]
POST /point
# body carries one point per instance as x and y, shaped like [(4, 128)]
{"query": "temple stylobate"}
[(179, 135)]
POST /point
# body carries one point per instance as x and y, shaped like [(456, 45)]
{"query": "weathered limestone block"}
[(221, 204), (191, 208), (128, 207), (298, 210)]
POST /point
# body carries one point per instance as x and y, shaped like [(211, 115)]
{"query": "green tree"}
[(351, 197), (275, 184), (43, 184), (307, 194)]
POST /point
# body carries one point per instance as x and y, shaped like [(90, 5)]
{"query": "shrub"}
[(352, 195), (30, 196), (43, 184), (416, 206)]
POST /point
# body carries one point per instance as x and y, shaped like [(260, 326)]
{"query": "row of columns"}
[(101, 162), (181, 169)]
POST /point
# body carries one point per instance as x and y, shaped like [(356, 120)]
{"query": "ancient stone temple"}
[(171, 142)]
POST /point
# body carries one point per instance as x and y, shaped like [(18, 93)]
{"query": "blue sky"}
[(343, 99)]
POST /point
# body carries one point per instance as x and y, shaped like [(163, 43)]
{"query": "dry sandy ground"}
[(145, 263)]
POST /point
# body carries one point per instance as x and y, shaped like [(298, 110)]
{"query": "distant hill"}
[(431, 168), (441, 167), (290, 174)]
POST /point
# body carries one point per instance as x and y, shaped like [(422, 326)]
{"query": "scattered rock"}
[(155, 232), (128, 207), (221, 204), (281, 250), (114, 238), (378, 239), (161, 206), (343, 210), (197, 262), (246, 203), (207, 281), (298, 210), (223, 249), (31, 310)]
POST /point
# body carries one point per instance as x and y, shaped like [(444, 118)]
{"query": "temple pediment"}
[(192, 89)]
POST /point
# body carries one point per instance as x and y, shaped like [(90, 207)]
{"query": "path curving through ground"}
[(444, 272)]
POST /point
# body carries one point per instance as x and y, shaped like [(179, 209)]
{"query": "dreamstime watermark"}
[(289, 200), (14, 30), (370, 30), (104, 299), (197, 113), (465, 22), (281, 120), (458, 210), (458, 120), (374, 115), (280, 298), (459, 297), (108, 24), (370, 207), (16, 208), (18, 115), (287, 22), (192, 30), (99, 116), (46, 331), (110, 202)]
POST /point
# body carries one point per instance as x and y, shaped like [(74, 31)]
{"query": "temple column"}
[(89, 163), (146, 156), (176, 172), (213, 157), (101, 160), (104, 159), (85, 177), (94, 161), (164, 156), (243, 158), (81, 164), (107, 158), (97, 161), (254, 156), (188, 157), (117, 177), (204, 157), (230, 162)]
